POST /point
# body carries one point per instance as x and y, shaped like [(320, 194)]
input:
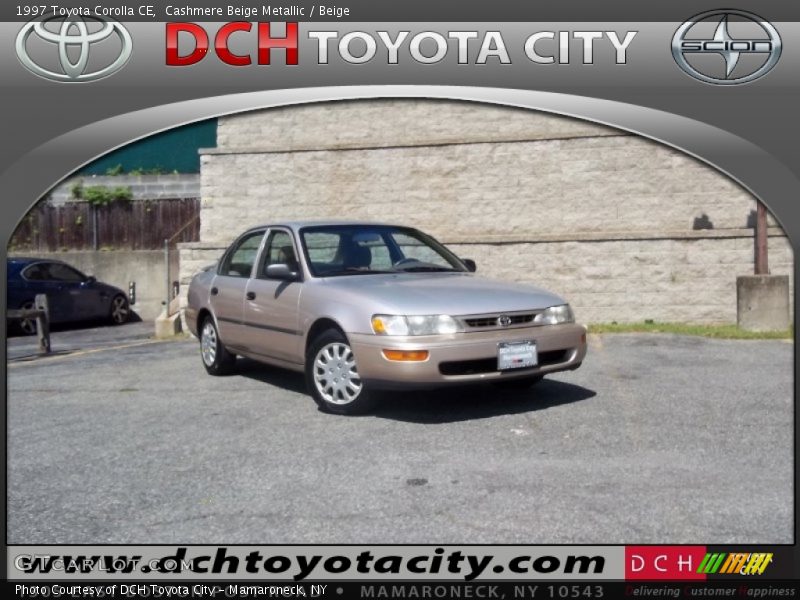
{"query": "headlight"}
[(414, 325), (555, 315)]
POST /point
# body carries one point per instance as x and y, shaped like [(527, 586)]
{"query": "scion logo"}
[(59, 48), (726, 47)]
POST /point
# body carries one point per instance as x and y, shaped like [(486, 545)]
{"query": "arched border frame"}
[(756, 170)]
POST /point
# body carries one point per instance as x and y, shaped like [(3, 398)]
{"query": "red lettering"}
[(266, 43), (221, 44), (174, 59)]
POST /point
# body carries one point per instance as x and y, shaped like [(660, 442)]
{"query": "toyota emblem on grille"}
[(58, 49), (504, 320), (739, 39)]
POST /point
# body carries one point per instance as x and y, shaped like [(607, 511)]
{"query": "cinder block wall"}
[(602, 216), (143, 187), (682, 280)]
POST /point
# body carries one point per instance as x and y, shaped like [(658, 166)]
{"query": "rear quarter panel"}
[(197, 297)]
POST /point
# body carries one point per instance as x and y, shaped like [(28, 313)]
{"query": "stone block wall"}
[(682, 280), (627, 229)]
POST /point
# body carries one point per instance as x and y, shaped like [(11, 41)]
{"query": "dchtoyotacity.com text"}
[(452, 564)]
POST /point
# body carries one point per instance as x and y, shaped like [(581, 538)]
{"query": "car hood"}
[(439, 293)]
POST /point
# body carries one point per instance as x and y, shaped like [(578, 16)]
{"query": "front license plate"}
[(516, 355)]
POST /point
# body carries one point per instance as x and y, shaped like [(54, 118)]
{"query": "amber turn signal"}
[(406, 355)]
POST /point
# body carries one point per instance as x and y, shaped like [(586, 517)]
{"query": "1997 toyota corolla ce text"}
[(360, 307)]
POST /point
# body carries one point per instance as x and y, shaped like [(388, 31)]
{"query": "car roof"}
[(15, 264), (21, 259), (296, 225)]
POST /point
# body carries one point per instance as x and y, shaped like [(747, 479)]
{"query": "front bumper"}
[(465, 357)]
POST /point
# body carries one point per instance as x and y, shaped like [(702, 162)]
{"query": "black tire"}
[(119, 312), (215, 357), (518, 383), (27, 326), (339, 391)]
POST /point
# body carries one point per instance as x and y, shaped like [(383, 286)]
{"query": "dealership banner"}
[(463, 563), (640, 159), (308, 563)]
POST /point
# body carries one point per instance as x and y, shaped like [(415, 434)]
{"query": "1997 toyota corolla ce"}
[(360, 307)]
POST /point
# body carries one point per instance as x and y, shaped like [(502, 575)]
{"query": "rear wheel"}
[(120, 310), (216, 358), (27, 326), (332, 375)]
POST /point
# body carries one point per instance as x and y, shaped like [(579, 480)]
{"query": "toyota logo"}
[(726, 47), (504, 320), (58, 49)]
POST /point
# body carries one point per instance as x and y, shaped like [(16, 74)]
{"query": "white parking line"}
[(39, 359)]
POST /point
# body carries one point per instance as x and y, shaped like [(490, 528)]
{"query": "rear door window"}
[(239, 261)]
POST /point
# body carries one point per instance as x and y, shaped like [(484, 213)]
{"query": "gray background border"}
[(748, 132)]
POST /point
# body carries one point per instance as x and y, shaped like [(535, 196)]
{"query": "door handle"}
[(214, 291), (251, 295)]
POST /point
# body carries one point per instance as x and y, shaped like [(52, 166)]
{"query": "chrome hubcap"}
[(208, 344), (335, 374), (119, 310)]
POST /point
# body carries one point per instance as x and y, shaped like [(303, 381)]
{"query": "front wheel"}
[(216, 358), (120, 310), (332, 376)]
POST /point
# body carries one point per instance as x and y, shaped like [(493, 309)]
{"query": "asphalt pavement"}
[(118, 438)]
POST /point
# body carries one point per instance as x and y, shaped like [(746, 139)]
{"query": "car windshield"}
[(334, 250)]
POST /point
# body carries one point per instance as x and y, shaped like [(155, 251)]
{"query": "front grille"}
[(489, 365), (485, 321)]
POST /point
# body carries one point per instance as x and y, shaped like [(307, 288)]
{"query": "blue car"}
[(71, 295)]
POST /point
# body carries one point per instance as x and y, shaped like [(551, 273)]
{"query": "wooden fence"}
[(136, 225)]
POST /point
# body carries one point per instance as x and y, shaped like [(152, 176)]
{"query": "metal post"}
[(761, 258), (42, 323), (94, 228), (168, 288)]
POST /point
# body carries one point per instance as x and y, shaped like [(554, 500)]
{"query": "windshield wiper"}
[(423, 269)]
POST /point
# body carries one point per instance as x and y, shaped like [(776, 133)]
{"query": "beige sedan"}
[(360, 307)]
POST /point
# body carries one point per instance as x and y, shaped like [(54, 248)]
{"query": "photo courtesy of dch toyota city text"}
[(400, 300)]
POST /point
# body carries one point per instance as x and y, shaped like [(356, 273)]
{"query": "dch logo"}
[(44, 46), (751, 54), (663, 562)]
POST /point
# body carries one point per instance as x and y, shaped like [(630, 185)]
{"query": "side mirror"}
[(91, 279), (282, 272), (470, 264)]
